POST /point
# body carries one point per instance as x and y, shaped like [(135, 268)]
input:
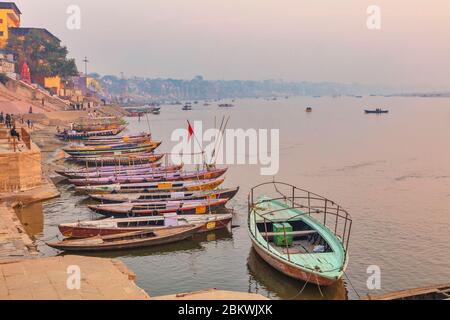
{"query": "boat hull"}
[(139, 188), (290, 270), (153, 177), (86, 232), (86, 135), (179, 236), (190, 210), (119, 160), (214, 194)]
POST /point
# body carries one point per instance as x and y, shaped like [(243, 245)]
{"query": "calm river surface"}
[(391, 172)]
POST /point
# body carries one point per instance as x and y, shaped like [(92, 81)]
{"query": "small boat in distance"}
[(299, 233), (226, 105), (308, 109), (187, 106), (129, 240), (376, 111)]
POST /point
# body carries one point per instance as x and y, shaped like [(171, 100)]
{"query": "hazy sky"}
[(311, 40)]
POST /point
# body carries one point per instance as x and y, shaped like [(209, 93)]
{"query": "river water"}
[(391, 172)]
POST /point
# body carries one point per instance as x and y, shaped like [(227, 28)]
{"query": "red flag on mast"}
[(190, 130)]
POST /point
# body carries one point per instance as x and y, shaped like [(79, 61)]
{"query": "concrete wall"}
[(20, 170)]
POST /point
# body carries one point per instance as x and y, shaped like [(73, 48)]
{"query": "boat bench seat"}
[(293, 233)]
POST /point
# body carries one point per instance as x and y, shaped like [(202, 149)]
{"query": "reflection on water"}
[(284, 287), (32, 218)]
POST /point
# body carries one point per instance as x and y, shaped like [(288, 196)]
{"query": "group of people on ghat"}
[(10, 122)]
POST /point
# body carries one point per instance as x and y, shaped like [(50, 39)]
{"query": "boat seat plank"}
[(294, 233)]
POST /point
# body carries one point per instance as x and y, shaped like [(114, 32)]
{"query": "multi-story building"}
[(9, 18)]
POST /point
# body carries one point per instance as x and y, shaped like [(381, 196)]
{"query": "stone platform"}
[(46, 279)]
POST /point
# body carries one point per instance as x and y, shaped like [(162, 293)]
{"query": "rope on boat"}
[(351, 284)]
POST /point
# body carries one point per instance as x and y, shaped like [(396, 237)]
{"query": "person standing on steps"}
[(8, 120)]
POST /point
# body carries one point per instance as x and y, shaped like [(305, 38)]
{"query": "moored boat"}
[(99, 172), (128, 209), (109, 226), (105, 150), (133, 158), (68, 135), (189, 185), (151, 177), (128, 139), (299, 233), (166, 196), (129, 240)]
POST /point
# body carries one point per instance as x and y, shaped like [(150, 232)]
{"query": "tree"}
[(44, 55)]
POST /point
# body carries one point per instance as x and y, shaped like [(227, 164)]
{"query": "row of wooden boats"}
[(142, 203), (297, 232)]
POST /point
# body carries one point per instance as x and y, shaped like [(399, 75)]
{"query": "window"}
[(1, 21), (1, 33)]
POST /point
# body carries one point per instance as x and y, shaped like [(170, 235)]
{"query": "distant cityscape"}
[(143, 90)]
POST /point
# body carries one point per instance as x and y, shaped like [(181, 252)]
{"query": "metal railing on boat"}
[(331, 215)]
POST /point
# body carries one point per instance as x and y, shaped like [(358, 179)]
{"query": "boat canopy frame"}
[(314, 205)]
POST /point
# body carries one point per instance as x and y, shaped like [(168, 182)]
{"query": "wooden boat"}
[(108, 226), (96, 127), (118, 143), (140, 169), (433, 292), (66, 135), (287, 232), (81, 151), (129, 240), (166, 196), (133, 158), (376, 111), (151, 177), (128, 209), (190, 185), (108, 140), (308, 109)]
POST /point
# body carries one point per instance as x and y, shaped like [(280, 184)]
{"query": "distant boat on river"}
[(187, 106), (376, 111), (226, 105)]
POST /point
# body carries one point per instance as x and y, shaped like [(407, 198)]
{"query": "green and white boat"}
[(299, 233)]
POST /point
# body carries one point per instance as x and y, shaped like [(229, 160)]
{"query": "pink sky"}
[(310, 40)]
